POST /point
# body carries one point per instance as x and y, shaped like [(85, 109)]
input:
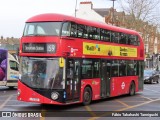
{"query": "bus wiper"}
[(30, 35), (39, 35), (35, 35)]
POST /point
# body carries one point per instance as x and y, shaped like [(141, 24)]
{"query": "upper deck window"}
[(105, 35), (72, 29), (133, 40), (42, 29), (123, 38), (66, 29)]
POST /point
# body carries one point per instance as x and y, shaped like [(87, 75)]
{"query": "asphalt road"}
[(145, 103)]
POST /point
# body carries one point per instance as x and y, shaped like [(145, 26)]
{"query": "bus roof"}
[(48, 17)]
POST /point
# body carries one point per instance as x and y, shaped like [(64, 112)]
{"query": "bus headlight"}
[(18, 92), (54, 95)]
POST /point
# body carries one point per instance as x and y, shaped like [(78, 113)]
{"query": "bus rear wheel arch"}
[(87, 95), (132, 88)]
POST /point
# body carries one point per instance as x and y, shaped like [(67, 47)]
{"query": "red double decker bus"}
[(66, 60)]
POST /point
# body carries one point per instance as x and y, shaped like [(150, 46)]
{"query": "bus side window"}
[(70, 73), (132, 40), (135, 41), (96, 70), (80, 31), (113, 37), (73, 30), (115, 68), (108, 35), (135, 68), (85, 33), (122, 68), (93, 33), (117, 36), (87, 69), (65, 29), (138, 41), (96, 33), (90, 32), (13, 65), (123, 38), (90, 68), (130, 68), (102, 34), (105, 35), (70, 69)]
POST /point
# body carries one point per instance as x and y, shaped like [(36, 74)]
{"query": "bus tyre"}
[(87, 96), (151, 81), (11, 87), (132, 89)]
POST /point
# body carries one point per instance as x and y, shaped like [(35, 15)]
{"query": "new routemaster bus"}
[(66, 60)]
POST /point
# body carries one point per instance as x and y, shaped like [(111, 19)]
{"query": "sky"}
[(14, 13)]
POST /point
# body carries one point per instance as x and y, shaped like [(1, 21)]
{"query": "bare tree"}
[(140, 9), (142, 14)]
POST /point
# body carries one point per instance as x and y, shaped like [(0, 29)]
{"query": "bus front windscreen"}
[(41, 73), (42, 29)]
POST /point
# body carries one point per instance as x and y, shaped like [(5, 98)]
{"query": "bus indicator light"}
[(18, 92), (64, 96)]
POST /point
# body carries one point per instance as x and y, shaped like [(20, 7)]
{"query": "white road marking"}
[(1, 106), (152, 90)]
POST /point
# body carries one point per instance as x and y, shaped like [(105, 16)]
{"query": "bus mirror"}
[(61, 62)]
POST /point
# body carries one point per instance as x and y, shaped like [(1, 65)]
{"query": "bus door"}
[(73, 80), (105, 79)]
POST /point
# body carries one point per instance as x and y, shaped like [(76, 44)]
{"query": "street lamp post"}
[(113, 11), (75, 8)]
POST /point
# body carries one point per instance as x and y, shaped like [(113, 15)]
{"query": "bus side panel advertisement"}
[(108, 50)]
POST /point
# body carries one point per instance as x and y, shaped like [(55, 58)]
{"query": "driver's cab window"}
[(40, 30), (30, 30), (13, 65)]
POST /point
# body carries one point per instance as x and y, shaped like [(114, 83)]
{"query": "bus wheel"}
[(132, 89), (11, 87), (151, 81), (87, 96)]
